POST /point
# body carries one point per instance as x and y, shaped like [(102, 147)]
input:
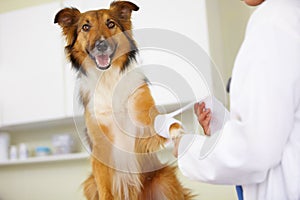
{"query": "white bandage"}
[(163, 125)]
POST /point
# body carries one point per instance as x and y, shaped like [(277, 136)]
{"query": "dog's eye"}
[(86, 27), (111, 24)]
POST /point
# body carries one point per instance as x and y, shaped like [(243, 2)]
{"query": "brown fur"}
[(82, 32)]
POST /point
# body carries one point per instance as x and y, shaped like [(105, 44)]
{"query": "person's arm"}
[(262, 114)]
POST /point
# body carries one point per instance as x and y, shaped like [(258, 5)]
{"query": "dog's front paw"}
[(176, 130), (168, 127)]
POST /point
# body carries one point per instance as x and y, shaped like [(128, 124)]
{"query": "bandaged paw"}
[(168, 127), (176, 130)]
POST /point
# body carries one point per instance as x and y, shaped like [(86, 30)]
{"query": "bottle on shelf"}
[(4, 146), (23, 151), (13, 152)]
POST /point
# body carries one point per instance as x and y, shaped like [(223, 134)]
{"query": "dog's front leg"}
[(99, 157), (102, 179), (143, 111)]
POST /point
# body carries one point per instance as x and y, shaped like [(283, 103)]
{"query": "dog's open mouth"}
[(103, 61)]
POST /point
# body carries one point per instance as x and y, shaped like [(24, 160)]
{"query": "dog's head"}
[(99, 38)]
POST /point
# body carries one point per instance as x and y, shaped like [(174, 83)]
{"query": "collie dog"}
[(119, 123)]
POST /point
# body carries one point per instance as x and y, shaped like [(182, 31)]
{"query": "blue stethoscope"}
[(239, 191)]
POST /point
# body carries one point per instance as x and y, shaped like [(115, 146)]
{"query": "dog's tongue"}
[(103, 60)]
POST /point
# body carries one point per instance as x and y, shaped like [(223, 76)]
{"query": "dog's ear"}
[(123, 9), (67, 18)]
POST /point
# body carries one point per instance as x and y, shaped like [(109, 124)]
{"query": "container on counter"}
[(41, 151), (62, 144)]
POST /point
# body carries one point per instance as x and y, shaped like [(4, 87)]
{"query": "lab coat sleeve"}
[(262, 109)]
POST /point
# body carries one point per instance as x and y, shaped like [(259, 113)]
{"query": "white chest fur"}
[(108, 93), (99, 86)]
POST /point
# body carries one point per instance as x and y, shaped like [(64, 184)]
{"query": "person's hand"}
[(204, 116)]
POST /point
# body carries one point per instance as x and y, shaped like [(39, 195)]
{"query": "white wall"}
[(227, 22), (47, 181)]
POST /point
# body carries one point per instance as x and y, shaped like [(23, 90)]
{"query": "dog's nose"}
[(101, 45)]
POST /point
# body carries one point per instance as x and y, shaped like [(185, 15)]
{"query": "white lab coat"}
[(259, 146)]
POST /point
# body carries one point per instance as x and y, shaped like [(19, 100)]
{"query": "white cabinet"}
[(31, 71), (167, 34)]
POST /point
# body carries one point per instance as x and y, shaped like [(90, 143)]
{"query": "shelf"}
[(43, 124), (45, 159)]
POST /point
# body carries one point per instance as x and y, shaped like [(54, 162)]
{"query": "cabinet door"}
[(31, 55), (72, 97)]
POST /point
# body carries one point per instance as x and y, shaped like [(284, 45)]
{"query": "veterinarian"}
[(260, 143)]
